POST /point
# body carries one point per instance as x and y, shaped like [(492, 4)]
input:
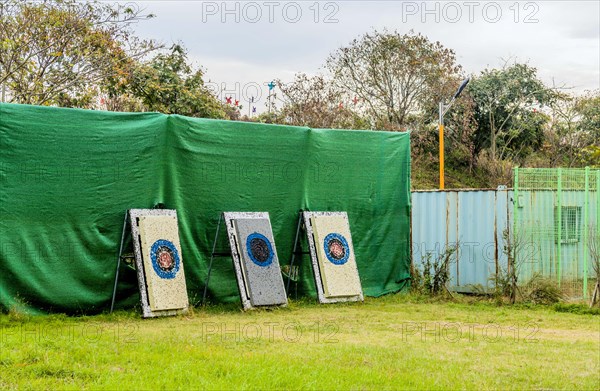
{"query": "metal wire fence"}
[(556, 226)]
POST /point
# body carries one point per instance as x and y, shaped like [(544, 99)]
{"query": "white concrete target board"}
[(159, 262), (332, 256)]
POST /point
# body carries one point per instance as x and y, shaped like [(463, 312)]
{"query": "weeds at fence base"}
[(434, 275)]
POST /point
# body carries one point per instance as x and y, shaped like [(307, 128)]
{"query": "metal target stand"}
[(236, 256), (294, 271), (214, 254), (134, 260), (121, 258)]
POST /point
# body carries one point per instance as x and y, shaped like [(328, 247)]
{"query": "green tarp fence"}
[(67, 176)]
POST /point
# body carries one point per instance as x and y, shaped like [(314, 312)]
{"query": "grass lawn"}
[(393, 342)]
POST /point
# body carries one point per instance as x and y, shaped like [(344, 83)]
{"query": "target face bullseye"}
[(259, 249), (336, 248), (165, 259)]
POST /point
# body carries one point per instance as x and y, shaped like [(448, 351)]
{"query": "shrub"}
[(541, 290), (434, 276)]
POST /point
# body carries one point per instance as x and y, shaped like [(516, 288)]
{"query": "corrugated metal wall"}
[(475, 220)]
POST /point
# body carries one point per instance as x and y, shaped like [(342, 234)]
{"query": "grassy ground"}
[(394, 342)]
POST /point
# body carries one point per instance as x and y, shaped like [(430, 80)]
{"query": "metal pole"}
[(441, 137), (287, 289), (212, 257), (585, 231), (442, 110), (559, 215), (515, 221), (596, 231), (597, 204), (112, 304)]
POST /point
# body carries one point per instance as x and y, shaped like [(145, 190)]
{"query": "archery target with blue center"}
[(335, 254), (163, 266), (260, 265)]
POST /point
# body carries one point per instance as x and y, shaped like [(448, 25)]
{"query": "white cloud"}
[(562, 40)]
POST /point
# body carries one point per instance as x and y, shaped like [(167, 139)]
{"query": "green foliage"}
[(508, 103), (588, 108), (573, 138), (269, 118), (541, 290), (316, 102), (580, 309), (57, 52), (68, 53), (168, 84), (590, 156), (503, 285), (424, 175), (434, 273)]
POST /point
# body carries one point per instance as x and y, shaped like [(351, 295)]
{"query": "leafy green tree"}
[(459, 134), (588, 125), (563, 139), (399, 78), (588, 108), (167, 84), (508, 103), (56, 52)]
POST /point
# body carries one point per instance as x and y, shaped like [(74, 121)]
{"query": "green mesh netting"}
[(68, 176)]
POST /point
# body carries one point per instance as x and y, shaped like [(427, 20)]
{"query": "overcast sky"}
[(242, 43)]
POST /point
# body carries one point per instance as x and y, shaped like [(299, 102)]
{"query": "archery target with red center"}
[(335, 254), (163, 266)]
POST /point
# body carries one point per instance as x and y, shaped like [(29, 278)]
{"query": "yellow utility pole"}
[(442, 110), (441, 135)]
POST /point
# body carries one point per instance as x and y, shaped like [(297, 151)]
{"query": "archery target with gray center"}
[(260, 265)]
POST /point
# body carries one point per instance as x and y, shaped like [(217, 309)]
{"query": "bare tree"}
[(316, 102), (518, 252), (397, 78)]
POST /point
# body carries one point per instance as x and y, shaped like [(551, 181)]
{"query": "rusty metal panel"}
[(471, 220)]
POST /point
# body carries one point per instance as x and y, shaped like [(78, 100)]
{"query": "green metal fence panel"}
[(556, 215)]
